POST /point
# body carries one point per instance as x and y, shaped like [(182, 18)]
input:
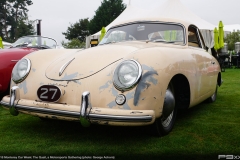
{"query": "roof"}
[(156, 19)]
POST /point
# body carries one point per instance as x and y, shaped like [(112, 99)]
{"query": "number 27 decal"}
[(49, 93), (46, 91)]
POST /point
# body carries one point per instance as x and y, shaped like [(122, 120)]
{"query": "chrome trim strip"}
[(77, 114), (120, 118), (15, 60), (14, 95), (64, 67), (48, 111)]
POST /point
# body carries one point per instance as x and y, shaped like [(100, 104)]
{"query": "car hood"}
[(84, 63)]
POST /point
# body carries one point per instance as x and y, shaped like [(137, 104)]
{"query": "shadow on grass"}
[(73, 131)]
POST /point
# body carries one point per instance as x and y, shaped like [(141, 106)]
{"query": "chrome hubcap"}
[(167, 121)]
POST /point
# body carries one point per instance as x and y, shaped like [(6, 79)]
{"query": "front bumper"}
[(84, 112)]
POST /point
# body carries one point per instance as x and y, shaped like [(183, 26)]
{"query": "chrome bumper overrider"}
[(84, 113)]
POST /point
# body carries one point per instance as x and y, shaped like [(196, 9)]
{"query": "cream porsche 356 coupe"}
[(140, 74)]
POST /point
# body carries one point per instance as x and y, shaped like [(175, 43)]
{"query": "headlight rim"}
[(124, 88), (27, 71)]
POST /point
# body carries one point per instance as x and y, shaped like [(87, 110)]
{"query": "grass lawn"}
[(202, 132)]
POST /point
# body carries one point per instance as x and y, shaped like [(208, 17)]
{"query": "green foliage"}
[(5, 17), (78, 30), (231, 39), (23, 28), (13, 14), (73, 44), (105, 14)]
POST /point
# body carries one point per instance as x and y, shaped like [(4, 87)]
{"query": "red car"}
[(9, 57)]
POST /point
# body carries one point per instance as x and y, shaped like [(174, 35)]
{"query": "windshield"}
[(155, 32), (36, 42)]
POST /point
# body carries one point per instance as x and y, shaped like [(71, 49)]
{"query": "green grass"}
[(201, 132)]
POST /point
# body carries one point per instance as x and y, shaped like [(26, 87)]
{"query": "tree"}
[(5, 16), (24, 28), (13, 14), (231, 39), (74, 43), (78, 30), (19, 11), (105, 14)]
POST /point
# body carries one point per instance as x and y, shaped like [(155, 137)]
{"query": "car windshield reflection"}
[(35, 42), (153, 32)]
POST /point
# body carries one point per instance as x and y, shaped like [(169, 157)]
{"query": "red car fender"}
[(8, 59)]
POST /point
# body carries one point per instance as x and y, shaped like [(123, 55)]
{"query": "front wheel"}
[(163, 125)]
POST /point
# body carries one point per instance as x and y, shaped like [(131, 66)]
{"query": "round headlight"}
[(21, 70), (127, 74)]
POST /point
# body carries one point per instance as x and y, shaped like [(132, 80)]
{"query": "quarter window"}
[(193, 40)]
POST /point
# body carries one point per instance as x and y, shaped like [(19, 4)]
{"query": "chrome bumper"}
[(85, 113)]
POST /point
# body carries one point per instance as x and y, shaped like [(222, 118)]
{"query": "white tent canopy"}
[(232, 27), (175, 9), (170, 9)]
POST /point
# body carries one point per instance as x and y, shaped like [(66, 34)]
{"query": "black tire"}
[(163, 126), (213, 97)]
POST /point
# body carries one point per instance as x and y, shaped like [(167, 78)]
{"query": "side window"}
[(193, 37)]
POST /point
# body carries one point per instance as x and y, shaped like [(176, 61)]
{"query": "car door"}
[(203, 61)]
